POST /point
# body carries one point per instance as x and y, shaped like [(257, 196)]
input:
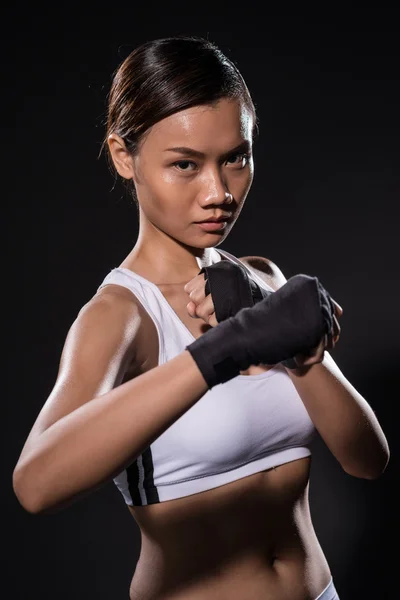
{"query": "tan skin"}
[(252, 538)]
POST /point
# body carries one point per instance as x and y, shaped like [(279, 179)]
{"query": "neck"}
[(160, 258)]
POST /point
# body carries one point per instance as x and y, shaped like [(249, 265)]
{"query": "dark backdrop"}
[(324, 202)]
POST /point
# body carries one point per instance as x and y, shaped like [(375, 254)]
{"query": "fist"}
[(316, 355), (200, 306)]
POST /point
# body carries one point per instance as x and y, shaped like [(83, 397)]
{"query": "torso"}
[(252, 538)]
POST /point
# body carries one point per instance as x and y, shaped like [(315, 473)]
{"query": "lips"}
[(212, 225), (219, 220)]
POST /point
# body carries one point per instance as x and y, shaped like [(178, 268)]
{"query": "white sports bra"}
[(238, 428)]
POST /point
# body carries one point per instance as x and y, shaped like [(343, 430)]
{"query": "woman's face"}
[(189, 164)]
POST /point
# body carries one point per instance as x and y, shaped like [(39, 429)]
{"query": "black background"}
[(324, 202)]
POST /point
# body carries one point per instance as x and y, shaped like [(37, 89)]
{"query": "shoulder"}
[(266, 269), (111, 303), (103, 329)]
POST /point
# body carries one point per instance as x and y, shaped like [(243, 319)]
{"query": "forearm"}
[(343, 418), (89, 446)]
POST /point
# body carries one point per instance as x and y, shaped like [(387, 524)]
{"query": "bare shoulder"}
[(118, 295), (104, 327), (266, 269), (112, 310)]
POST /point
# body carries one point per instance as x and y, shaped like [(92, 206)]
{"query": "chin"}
[(211, 240), (207, 242), (202, 241)]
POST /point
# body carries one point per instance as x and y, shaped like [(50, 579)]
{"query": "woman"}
[(216, 476)]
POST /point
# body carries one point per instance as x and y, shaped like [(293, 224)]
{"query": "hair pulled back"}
[(167, 75)]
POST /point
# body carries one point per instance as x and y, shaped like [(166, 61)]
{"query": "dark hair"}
[(167, 75)]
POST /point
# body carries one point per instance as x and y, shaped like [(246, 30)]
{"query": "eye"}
[(182, 165), (243, 159)]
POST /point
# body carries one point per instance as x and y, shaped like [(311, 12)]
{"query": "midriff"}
[(250, 539)]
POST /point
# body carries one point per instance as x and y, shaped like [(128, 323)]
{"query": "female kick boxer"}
[(201, 424)]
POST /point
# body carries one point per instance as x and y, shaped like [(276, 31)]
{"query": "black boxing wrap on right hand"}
[(290, 321)]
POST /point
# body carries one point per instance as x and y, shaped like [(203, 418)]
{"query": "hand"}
[(316, 355), (200, 306)]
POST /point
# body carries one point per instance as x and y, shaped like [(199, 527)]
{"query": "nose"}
[(214, 191)]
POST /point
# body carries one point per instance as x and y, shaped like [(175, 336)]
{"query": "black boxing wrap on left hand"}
[(232, 289)]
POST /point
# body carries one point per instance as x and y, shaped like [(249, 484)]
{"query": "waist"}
[(290, 569), (256, 529)]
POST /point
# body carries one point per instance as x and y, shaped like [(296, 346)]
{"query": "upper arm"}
[(99, 345)]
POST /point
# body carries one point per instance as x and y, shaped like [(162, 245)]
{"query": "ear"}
[(121, 158)]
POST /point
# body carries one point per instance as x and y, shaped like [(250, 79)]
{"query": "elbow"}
[(372, 470), (380, 468), (32, 496), (25, 492)]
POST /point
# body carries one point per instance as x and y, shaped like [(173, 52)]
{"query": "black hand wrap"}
[(231, 289), (286, 322)]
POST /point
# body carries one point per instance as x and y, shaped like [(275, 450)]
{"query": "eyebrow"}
[(242, 147)]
